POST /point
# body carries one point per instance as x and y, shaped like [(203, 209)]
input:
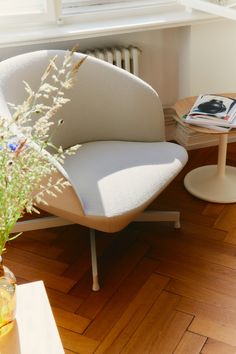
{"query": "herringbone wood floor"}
[(163, 290)]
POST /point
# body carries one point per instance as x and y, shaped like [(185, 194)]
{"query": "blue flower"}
[(12, 146)]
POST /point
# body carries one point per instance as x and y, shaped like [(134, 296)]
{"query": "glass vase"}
[(7, 296)]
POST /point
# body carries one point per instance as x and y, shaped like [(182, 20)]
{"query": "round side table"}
[(213, 183)]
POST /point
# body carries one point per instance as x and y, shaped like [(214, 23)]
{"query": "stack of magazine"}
[(213, 112)]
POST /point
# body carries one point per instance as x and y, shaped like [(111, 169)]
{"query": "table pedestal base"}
[(206, 183)]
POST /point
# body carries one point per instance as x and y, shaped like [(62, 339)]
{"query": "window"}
[(49, 11), (224, 8), (26, 11), (77, 6), (45, 11), (69, 8)]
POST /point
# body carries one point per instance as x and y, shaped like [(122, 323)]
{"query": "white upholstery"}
[(107, 103), (115, 177)]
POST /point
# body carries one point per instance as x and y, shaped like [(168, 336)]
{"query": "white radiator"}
[(125, 58)]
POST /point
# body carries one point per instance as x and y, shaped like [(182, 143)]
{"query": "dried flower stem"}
[(22, 166)]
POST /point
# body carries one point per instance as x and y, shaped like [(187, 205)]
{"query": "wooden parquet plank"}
[(76, 342), (21, 281), (191, 343), (226, 317), (170, 338), (133, 316), (185, 202), (177, 197), (231, 237), (199, 230), (47, 237), (118, 271), (70, 320), (215, 347), (153, 325), (202, 156), (213, 209), (122, 243), (193, 290), (227, 219), (179, 248), (45, 264), (64, 301), (212, 276), (82, 262), (231, 151), (79, 266), (189, 216), (31, 274), (38, 246), (73, 240), (118, 303), (214, 330)]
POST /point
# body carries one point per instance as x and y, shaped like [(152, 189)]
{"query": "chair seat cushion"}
[(115, 177)]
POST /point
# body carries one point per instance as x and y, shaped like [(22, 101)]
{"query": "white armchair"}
[(123, 162)]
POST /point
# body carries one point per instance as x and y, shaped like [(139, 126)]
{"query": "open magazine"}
[(213, 112)]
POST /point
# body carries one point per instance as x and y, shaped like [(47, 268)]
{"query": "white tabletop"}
[(34, 330)]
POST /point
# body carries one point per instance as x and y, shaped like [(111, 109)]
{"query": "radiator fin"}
[(125, 58)]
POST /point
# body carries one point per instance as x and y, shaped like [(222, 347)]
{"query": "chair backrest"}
[(107, 103)]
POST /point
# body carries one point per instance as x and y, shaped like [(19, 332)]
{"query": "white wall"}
[(184, 62), (213, 58), (158, 61), (177, 62)]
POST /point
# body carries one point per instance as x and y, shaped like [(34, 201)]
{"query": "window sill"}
[(173, 16)]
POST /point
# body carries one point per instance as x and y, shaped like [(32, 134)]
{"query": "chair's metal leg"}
[(95, 286), (156, 215), (177, 224)]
